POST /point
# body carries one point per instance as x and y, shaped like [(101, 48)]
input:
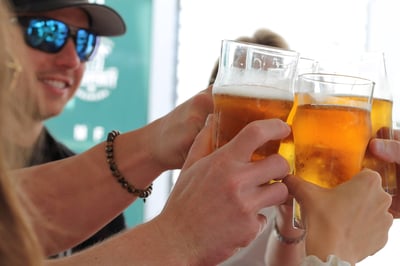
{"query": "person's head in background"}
[(60, 37), (262, 36)]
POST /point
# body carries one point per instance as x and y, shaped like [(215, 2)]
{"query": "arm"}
[(389, 150), (267, 249), (327, 212), (82, 186), (280, 252), (192, 231)]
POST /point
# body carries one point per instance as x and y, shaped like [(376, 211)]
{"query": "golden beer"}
[(234, 111), (381, 118), (286, 149), (331, 129), (330, 142)]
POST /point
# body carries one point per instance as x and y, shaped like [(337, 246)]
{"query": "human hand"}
[(213, 208), (389, 150), (175, 132), (350, 221)]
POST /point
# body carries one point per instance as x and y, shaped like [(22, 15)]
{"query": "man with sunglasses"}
[(61, 35)]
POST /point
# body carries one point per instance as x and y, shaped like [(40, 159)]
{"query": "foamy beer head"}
[(254, 82), (331, 127)]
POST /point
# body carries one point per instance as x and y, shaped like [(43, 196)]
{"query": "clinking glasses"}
[(50, 36)]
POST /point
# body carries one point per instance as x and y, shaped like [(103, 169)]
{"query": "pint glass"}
[(286, 149), (331, 128), (372, 65), (254, 82)]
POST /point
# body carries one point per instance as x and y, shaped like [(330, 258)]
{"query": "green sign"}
[(114, 91)]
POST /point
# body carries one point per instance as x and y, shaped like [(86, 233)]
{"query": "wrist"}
[(333, 245), (284, 221), (294, 237), (134, 158)]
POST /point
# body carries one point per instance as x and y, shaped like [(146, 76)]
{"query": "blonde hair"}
[(19, 245)]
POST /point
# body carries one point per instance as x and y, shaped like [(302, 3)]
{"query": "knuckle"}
[(373, 178)]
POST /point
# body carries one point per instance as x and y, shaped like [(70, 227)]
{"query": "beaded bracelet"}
[(287, 240), (141, 193)]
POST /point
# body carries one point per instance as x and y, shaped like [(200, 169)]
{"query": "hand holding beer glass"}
[(331, 129), (254, 82)]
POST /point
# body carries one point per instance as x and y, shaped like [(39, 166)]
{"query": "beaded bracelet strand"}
[(284, 239), (141, 193)]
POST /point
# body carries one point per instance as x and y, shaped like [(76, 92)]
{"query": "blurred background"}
[(171, 47)]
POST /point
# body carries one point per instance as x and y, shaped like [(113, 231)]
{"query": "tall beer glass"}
[(254, 82), (331, 128), (374, 68), (395, 208), (286, 149), (372, 65)]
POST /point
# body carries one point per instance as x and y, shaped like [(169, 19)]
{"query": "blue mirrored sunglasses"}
[(50, 36)]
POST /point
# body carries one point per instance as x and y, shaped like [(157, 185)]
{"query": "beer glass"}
[(331, 128), (254, 82), (395, 208), (371, 65), (286, 149), (374, 68)]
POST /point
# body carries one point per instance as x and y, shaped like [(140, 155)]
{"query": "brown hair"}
[(19, 245), (261, 36)]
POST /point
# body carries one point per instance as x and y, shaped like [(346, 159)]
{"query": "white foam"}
[(255, 91)]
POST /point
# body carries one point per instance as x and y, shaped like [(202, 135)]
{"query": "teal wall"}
[(114, 92)]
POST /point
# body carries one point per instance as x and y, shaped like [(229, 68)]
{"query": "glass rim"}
[(279, 50), (317, 77)]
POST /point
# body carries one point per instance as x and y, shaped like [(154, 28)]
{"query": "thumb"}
[(201, 146), (299, 188)]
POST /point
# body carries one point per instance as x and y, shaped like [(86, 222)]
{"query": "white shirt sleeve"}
[(332, 261), (254, 253)]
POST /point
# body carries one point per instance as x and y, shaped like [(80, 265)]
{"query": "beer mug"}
[(254, 82), (372, 65), (331, 128)]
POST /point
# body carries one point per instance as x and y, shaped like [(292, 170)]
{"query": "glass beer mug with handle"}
[(254, 82), (331, 129)]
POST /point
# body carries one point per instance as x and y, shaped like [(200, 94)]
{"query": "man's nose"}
[(68, 56)]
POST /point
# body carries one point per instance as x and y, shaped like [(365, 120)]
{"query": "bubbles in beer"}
[(245, 104), (330, 142)]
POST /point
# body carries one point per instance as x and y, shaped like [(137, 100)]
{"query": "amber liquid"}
[(330, 142), (234, 112), (286, 149), (381, 118)]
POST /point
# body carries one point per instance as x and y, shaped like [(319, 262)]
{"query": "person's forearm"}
[(83, 186), (142, 245)]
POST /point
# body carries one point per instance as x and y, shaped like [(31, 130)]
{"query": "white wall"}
[(311, 27), (162, 86)]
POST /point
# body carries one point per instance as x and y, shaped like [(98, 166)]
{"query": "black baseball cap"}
[(105, 21)]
